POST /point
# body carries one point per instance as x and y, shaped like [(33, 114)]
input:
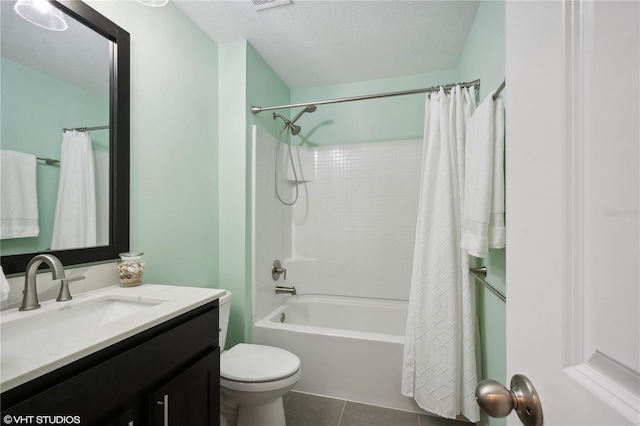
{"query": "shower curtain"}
[(74, 225), (439, 364)]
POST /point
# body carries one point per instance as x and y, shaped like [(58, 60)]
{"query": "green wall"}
[(376, 120), (245, 80), (264, 88), (484, 57), (233, 183), (174, 143), (34, 109)]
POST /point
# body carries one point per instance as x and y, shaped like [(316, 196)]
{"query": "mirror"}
[(77, 78)]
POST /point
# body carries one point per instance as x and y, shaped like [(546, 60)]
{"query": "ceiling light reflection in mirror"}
[(42, 14), (153, 3)]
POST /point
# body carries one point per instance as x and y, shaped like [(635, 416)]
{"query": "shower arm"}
[(295, 129), (286, 120)]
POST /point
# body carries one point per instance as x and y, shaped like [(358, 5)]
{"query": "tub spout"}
[(290, 290)]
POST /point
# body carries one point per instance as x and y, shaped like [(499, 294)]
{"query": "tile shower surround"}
[(352, 230), (361, 221)]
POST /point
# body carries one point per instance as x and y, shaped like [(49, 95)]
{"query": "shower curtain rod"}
[(475, 83), (85, 129)]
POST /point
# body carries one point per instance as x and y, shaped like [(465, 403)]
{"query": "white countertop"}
[(39, 341)]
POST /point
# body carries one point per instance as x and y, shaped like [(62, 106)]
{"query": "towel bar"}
[(48, 161), (479, 274)]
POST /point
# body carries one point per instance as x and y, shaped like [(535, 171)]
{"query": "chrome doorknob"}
[(498, 401)]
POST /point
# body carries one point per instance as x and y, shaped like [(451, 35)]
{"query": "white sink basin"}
[(39, 341), (112, 308), (42, 328)]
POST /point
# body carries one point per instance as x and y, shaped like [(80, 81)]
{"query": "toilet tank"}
[(224, 313)]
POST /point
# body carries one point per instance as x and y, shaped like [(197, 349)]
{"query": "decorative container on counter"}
[(130, 268)]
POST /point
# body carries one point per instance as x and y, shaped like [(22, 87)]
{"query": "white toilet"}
[(254, 377)]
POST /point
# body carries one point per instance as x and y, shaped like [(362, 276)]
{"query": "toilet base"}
[(228, 411), (267, 414)]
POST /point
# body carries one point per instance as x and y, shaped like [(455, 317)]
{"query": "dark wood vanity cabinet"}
[(184, 399), (172, 369)]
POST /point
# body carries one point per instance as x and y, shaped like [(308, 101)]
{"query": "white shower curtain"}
[(439, 364), (75, 219)]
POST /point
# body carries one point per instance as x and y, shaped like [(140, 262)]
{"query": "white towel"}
[(497, 231), (18, 195), (74, 225), (483, 216), (4, 286)]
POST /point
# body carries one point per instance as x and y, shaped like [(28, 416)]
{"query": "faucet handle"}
[(277, 270), (64, 294)]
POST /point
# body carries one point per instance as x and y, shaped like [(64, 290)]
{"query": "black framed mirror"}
[(117, 215)]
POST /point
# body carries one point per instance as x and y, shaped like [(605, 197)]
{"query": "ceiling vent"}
[(266, 4)]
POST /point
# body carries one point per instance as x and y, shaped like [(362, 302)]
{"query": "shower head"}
[(295, 129), (309, 108)]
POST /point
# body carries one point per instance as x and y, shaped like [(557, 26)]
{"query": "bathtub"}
[(350, 348)]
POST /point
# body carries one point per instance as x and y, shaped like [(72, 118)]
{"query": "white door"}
[(573, 299)]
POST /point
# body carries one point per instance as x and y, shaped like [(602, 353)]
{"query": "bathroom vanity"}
[(140, 356)]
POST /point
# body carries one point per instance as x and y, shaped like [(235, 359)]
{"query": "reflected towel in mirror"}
[(18, 196)]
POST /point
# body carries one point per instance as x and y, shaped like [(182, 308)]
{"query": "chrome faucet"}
[(30, 298), (290, 290)]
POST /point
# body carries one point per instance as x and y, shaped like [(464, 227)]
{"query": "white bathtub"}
[(350, 348)]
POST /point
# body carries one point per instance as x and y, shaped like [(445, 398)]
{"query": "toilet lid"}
[(257, 363)]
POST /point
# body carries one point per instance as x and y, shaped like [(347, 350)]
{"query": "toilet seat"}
[(249, 363)]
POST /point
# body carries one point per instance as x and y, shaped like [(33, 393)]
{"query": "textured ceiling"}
[(311, 43)]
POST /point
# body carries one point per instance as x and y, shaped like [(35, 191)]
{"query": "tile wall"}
[(351, 232)]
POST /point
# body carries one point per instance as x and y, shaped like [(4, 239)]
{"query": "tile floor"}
[(302, 409)]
